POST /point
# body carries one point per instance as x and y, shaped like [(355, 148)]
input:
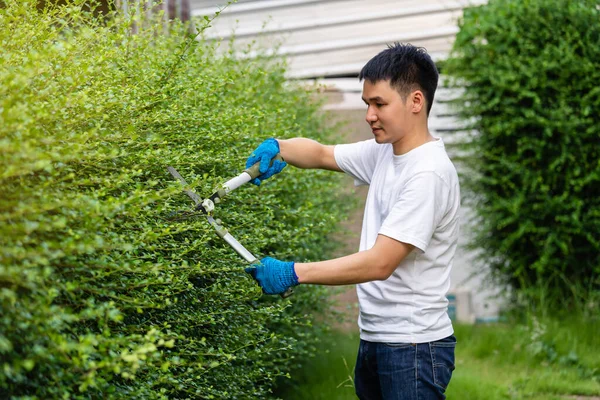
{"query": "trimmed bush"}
[(102, 294), (530, 73)]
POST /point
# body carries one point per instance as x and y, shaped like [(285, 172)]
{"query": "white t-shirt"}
[(413, 198)]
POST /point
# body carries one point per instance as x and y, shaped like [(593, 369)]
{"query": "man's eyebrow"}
[(376, 98)]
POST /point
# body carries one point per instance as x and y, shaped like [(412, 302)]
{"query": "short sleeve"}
[(358, 160), (418, 210)]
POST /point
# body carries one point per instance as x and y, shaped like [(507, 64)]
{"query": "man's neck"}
[(412, 140)]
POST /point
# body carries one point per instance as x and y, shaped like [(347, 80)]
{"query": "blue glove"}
[(265, 153), (274, 276)]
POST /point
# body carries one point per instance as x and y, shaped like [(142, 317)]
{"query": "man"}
[(409, 233)]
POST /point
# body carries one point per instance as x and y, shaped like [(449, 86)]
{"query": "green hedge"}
[(530, 72), (101, 294)]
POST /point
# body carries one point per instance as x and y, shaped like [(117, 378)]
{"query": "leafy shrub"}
[(530, 73), (102, 295)]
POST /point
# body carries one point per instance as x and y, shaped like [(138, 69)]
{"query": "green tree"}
[(529, 69)]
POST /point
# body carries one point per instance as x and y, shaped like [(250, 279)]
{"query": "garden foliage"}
[(530, 74), (102, 294)]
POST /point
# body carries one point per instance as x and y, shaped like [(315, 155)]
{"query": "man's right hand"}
[(264, 154)]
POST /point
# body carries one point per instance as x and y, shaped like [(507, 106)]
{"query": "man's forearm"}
[(377, 263), (360, 267), (307, 153)]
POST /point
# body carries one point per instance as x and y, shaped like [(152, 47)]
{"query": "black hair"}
[(407, 68)]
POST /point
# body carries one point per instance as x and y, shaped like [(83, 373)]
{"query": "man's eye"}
[(379, 104)]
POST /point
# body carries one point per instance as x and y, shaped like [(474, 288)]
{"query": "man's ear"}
[(418, 101)]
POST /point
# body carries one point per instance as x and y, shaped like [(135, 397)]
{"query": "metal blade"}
[(197, 200)]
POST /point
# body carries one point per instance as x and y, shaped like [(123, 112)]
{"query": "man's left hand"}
[(274, 276)]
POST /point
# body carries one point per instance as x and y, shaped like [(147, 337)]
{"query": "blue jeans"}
[(404, 371)]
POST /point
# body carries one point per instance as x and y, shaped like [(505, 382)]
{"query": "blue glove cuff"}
[(288, 275)]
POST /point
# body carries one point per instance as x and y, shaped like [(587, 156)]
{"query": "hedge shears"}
[(207, 206)]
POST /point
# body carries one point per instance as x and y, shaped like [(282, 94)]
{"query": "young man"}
[(409, 233)]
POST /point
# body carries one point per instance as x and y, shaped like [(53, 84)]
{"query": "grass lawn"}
[(554, 359)]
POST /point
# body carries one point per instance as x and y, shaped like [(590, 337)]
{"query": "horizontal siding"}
[(324, 14), (215, 4), (305, 40), (335, 37), (248, 7), (349, 61)]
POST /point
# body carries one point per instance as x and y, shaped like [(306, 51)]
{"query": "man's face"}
[(387, 114)]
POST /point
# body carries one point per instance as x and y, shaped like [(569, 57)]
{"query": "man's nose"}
[(371, 115)]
